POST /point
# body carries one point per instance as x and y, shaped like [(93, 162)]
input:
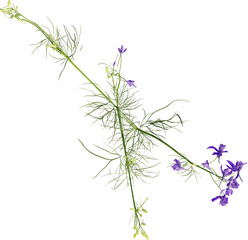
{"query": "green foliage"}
[(131, 140), (64, 42)]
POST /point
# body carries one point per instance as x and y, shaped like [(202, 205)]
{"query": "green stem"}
[(127, 163), (178, 153), (110, 101), (67, 57)]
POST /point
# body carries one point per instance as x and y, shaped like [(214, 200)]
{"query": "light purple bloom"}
[(229, 191), (122, 50), (223, 200), (177, 165), (218, 151), (131, 83), (206, 165), (225, 172), (232, 183)]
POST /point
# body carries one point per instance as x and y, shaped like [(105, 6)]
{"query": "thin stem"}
[(91, 81), (173, 149), (67, 57), (127, 163), (108, 99)]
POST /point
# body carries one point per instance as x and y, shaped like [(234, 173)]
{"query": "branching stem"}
[(109, 100)]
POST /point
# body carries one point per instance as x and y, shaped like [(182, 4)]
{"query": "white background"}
[(194, 50)]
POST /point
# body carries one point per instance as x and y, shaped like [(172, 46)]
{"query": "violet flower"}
[(236, 168), (223, 200), (122, 50), (177, 165), (130, 83), (218, 151), (232, 183), (225, 172), (229, 192), (206, 165)]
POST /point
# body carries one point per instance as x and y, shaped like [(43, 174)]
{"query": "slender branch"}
[(127, 163), (173, 149)]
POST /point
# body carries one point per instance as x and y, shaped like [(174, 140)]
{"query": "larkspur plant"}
[(130, 138)]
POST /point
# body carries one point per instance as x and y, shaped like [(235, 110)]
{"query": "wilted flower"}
[(218, 151)]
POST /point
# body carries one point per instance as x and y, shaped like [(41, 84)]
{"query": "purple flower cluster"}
[(121, 50), (229, 175), (231, 182)]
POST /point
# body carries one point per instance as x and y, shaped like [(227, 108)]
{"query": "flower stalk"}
[(131, 138)]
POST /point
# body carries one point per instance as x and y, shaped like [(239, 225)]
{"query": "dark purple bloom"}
[(223, 200), (218, 151), (177, 165), (131, 83), (235, 168), (114, 63), (122, 50), (206, 165)]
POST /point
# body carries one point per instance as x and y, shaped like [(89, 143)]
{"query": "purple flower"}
[(225, 172), (114, 63), (206, 165), (232, 183), (122, 50), (177, 165), (235, 168), (131, 83), (223, 200), (218, 151), (229, 191)]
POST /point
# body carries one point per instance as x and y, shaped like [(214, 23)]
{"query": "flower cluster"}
[(229, 175), (112, 71)]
